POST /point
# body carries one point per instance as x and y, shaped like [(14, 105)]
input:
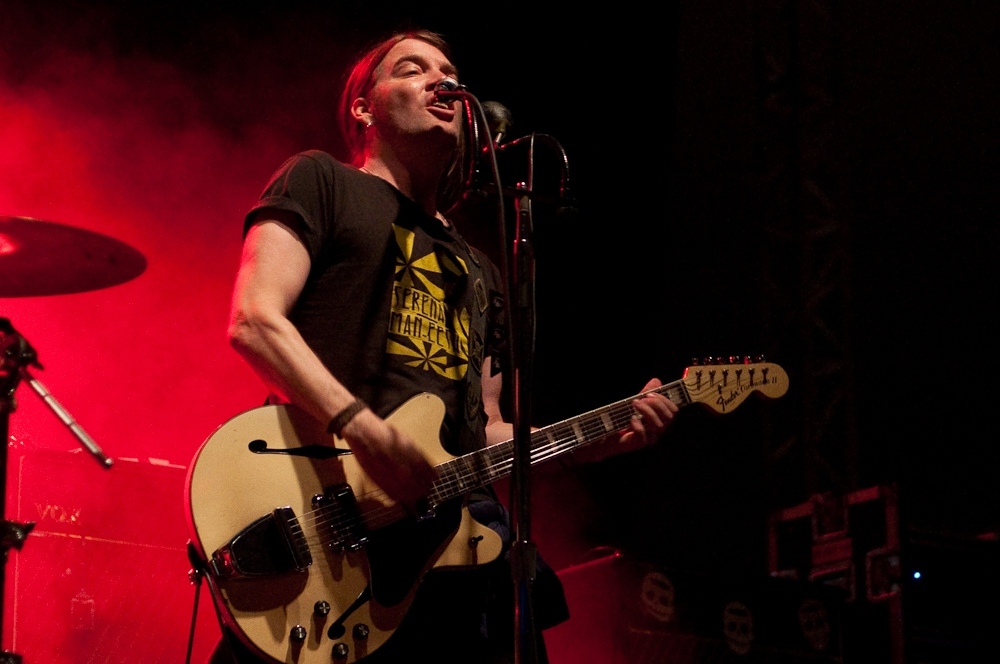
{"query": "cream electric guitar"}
[(314, 563)]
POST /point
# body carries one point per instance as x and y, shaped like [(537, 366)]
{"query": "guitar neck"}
[(460, 475)]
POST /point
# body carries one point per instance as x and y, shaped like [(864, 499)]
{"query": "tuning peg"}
[(706, 360), (694, 361), (760, 358), (734, 359), (746, 359)]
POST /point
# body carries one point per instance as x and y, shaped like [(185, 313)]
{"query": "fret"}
[(464, 478), (622, 415), (443, 486), (504, 457), (491, 463), (445, 474), (563, 431), (577, 431), (678, 394), (609, 426)]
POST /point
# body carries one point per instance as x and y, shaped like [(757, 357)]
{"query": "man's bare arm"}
[(273, 271), (497, 431)]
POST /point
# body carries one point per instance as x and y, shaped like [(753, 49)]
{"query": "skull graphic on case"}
[(814, 623), (657, 596), (737, 625)]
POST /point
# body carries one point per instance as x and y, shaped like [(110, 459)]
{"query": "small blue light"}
[(916, 575)]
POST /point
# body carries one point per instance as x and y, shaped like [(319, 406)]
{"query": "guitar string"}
[(317, 541), (445, 489), (442, 490), (592, 425), (457, 479), (372, 517)]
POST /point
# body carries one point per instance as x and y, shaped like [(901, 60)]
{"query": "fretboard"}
[(471, 471)]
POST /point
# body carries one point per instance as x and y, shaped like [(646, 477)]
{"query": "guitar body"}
[(235, 481)]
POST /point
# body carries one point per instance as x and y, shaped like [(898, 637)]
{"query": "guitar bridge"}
[(273, 544)]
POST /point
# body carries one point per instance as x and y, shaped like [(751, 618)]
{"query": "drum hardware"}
[(45, 258), (39, 258)]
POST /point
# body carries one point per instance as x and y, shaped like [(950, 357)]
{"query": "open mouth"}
[(441, 111)]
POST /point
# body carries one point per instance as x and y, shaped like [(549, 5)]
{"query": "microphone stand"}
[(524, 553), (521, 320)]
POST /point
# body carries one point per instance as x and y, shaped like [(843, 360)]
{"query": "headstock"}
[(723, 387)]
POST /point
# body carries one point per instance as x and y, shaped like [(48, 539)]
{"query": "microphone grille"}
[(448, 84)]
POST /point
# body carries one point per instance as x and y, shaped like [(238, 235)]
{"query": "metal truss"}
[(810, 444)]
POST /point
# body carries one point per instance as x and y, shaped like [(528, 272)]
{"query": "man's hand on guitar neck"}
[(654, 413), (389, 457)]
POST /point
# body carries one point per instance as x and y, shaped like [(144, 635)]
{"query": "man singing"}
[(355, 292)]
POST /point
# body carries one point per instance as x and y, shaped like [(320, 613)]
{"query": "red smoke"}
[(121, 149), (124, 148)]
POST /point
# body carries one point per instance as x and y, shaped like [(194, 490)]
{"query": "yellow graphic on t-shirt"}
[(435, 338)]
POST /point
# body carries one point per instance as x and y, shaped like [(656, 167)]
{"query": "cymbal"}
[(45, 258)]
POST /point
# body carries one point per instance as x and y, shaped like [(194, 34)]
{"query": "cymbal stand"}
[(16, 355), (12, 533)]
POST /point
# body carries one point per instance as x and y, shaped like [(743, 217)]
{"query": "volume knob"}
[(321, 608), (298, 634)]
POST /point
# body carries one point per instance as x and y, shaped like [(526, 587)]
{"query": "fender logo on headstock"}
[(737, 392)]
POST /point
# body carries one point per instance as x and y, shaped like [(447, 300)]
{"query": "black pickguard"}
[(400, 553)]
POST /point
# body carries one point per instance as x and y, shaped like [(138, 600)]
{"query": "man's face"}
[(402, 99)]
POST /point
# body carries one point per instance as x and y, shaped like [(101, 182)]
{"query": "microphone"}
[(448, 89), (448, 84), (498, 118)]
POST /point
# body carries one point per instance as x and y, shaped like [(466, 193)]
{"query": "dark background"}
[(659, 111)]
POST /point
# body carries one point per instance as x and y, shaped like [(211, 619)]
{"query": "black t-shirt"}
[(395, 303)]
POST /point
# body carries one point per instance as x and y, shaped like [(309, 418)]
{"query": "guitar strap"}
[(472, 434)]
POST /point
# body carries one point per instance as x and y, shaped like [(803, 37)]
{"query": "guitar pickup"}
[(346, 527), (273, 544)]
